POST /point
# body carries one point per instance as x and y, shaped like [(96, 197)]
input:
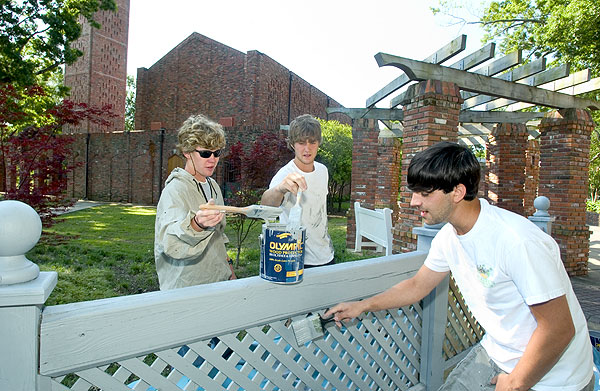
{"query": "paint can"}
[(282, 253)]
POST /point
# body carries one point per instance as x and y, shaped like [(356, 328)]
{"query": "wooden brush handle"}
[(224, 208)]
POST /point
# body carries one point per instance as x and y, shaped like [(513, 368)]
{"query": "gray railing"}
[(232, 335)]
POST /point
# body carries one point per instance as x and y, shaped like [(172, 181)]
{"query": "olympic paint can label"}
[(282, 254)]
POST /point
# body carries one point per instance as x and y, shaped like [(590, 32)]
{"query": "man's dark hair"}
[(442, 167)]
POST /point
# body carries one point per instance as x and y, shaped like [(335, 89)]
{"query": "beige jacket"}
[(183, 256)]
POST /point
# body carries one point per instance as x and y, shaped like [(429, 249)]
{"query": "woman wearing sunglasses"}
[(189, 244)]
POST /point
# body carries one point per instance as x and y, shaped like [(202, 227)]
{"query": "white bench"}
[(375, 225)]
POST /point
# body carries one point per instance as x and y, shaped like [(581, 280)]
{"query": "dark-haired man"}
[(510, 274)]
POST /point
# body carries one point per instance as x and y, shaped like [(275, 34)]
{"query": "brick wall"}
[(364, 171), (532, 176), (119, 166), (507, 144), (375, 171), (133, 166), (564, 166), (430, 115), (201, 75)]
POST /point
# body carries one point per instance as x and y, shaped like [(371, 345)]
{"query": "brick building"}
[(248, 93), (242, 90)]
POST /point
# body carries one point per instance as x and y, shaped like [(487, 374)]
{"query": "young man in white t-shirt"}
[(510, 274), (311, 177)]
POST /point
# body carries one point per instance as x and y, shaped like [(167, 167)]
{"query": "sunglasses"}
[(206, 154)]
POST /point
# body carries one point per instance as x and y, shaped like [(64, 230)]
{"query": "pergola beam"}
[(455, 46), (496, 67), (470, 61), (551, 74), (464, 116), (492, 69), (575, 84), (418, 70), (496, 117), (374, 113), (515, 74)]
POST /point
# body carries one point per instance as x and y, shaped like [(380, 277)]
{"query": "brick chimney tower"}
[(99, 77)]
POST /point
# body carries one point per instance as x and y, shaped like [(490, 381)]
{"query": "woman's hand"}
[(205, 218)]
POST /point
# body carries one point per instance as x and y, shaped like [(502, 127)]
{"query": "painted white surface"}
[(84, 335), (375, 225)]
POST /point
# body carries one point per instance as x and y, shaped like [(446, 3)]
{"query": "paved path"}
[(586, 288)]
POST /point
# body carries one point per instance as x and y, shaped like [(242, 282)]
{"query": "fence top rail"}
[(83, 335)]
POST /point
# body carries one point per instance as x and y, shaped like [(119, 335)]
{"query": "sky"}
[(329, 43)]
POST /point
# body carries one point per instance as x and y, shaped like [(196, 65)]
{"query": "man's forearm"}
[(399, 295), (272, 197)]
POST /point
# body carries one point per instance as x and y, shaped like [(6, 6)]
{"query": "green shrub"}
[(107, 251)]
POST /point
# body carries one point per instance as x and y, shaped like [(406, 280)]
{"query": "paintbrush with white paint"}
[(309, 328), (294, 220)]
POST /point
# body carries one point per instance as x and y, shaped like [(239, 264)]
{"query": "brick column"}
[(99, 77), (431, 113), (388, 171), (364, 170), (532, 175), (507, 145), (564, 166)]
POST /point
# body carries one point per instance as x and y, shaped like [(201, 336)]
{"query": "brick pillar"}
[(507, 144), (364, 170), (564, 166), (99, 77), (431, 113), (532, 175), (388, 171)]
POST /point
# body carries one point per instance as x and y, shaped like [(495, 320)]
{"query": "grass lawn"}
[(107, 251)]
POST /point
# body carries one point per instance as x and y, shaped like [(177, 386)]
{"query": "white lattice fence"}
[(462, 330), (381, 351), (84, 345)]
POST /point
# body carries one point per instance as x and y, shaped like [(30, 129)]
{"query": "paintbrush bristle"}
[(307, 329)]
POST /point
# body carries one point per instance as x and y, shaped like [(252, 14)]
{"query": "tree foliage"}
[(33, 153), (252, 169), (568, 30), (594, 173), (335, 152), (130, 104), (36, 36)]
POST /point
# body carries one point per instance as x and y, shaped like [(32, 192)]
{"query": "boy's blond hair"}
[(304, 127), (199, 131)]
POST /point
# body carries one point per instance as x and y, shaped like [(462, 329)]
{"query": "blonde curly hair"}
[(199, 131)]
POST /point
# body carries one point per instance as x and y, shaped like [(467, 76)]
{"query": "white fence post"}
[(23, 291), (541, 217), (435, 310), (375, 225)]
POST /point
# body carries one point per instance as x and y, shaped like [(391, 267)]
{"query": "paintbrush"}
[(294, 220), (309, 328), (253, 211)]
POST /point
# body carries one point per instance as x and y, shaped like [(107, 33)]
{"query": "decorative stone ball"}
[(541, 204), (20, 228)]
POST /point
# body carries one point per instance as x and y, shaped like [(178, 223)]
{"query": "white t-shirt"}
[(319, 248), (503, 265)]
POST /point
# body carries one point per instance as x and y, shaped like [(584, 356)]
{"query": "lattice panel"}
[(380, 351), (462, 330)]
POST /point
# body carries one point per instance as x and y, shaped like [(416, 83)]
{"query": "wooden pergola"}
[(480, 100), (495, 92)]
